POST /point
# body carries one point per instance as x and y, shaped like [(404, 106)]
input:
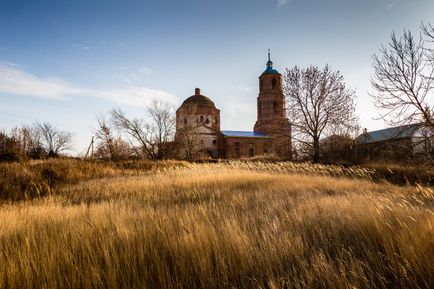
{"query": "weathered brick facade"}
[(198, 126), (248, 147)]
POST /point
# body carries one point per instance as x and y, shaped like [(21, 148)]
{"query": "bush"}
[(29, 180), (403, 174), (19, 183)]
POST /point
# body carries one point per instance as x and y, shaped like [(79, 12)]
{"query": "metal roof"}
[(237, 133), (270, 71), (399, 132)]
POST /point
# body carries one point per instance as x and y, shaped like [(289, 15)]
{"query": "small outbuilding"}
[(395, 143)]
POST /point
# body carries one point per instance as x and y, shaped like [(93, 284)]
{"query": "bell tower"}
[(270, 101), (272, 120)]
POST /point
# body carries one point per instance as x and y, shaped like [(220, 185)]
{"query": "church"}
[(198, 133)]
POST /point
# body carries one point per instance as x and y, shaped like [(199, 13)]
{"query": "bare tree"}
[(30, 141), (403, 79), (118, 149), (188, 142), (110, 146), (162, 127), (54, 140), (317, 100), (154, 135), (188, 134)]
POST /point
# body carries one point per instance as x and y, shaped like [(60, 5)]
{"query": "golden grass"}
[(224, 225)]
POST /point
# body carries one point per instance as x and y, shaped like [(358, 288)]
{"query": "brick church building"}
[(198, 133)]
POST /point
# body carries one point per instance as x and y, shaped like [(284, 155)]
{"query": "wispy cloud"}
[(144, 71), (81, 46), (391, 5), (244, 89), (19, 82), (281, 3)]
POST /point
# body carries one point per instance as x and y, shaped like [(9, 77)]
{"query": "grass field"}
[(225, 225)]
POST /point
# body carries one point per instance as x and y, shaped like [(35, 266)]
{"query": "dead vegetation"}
[(221, 225)]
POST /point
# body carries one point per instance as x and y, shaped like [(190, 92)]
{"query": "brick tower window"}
[(259, 109), (274, 106), (273, 83)]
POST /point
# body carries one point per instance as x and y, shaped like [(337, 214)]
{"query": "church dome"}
[(198, 100)]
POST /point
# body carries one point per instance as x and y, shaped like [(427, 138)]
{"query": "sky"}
[(66, 62)]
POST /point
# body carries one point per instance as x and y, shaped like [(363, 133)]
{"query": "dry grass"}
[(227, 225)]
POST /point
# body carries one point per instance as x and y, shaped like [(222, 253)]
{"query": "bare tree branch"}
[(403, 80)]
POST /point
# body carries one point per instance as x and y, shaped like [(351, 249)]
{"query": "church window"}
[(259, 109), (273, 83), (237, 150), (185, 121), (261, 84), (251, 150), (207, 121), (274, 106), (214, 141), (201, 118)]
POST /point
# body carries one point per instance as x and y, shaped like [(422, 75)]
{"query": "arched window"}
[(274, 107), (251, 150), (259, 109), (261, 84), (273, 83), (237, 150)]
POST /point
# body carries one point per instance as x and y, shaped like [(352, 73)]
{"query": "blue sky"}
[(67, 61)]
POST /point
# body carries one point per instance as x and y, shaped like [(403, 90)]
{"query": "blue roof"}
[(405, 131), (270, 70), (237, 133)]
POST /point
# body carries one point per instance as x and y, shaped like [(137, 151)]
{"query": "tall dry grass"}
[(231, 225)]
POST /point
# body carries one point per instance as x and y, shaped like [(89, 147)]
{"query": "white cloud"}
[(144, 70), (19, 82), (281, 3), (244, 89), (134, 95), (81, 45), (391, 5)]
